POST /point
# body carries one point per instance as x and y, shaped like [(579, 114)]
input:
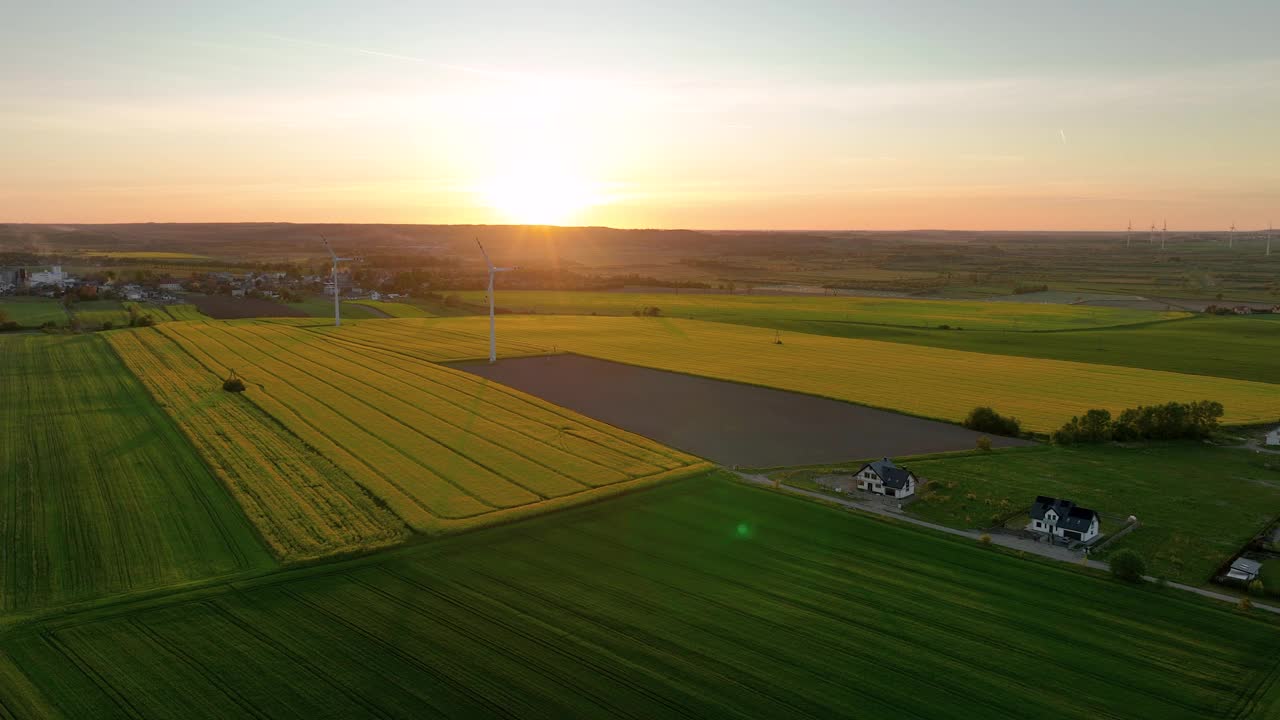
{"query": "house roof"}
[(891, 475), (1070, 515), (1245, 565)]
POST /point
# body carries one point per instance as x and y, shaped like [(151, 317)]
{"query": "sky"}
[(697, 114)]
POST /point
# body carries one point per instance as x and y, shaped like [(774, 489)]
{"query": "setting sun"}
[(532, 195)]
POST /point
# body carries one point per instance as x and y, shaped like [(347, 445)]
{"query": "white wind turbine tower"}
[(337, 295), (493, 337), (1164, 231)]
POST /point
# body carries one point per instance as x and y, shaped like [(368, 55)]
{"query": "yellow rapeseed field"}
[(925, 381), (301, 503), (440, 447)]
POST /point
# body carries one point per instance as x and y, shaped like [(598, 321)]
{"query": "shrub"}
[(1094, 427), (984, 539), (1128, 565), (233, 383), (1245, 604), (985, 419), (647, 311), (984, 443), (1256, 588), (9, 326), (107, 325)]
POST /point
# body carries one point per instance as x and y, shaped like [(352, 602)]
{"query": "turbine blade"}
[(486, 255)]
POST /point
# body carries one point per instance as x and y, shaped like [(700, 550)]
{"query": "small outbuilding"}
[(1064, 519), (1244, 570), (1273, 437), (884, 478)]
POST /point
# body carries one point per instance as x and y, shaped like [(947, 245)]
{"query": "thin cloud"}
[(496, 74)]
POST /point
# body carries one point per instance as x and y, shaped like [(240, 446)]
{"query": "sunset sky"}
[(844, 114)]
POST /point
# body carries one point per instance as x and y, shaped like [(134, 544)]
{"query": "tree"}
[(1128, 565), (4, 316), (985, 419), (984, 443)]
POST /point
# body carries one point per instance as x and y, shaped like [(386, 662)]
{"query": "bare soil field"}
[(729, 423), (224, 307)]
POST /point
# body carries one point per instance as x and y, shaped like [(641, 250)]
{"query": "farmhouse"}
[(884, 478), (1244, 570), (1273, 437), (1064, 519)]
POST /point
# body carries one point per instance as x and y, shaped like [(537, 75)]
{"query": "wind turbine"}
[(1231, 239), (493, 337), (1164, 231), (1128, 235), (337, 296)]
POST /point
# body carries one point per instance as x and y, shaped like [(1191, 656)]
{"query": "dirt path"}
[(1051, 552)]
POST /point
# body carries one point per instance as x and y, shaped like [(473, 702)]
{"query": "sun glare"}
[(535, 196)]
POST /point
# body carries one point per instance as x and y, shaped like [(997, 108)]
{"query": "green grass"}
[(1246, 348), (1198, 504), (751, 309), (33, 311), (698, 599), (101, 493)]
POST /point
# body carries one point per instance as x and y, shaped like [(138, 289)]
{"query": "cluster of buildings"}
[(1055, 519), (15, 279)]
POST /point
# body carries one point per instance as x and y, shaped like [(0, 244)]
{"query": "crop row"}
[(101, 493), (303, 505), (659, 605), (432, 442)]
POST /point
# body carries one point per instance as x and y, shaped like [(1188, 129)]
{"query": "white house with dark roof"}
[(884, 478), (1064, 519)]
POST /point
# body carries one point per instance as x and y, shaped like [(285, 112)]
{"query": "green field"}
[(755, 309), (1198, 504), (925, 381), (102, 494), (33, 311), (698, 599), (1246, 348)]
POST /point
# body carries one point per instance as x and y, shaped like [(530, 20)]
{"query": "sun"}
[(534, 195)]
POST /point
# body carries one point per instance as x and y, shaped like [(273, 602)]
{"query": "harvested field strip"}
[(102, 493), (697, 599), (925, 381), (303, 505), (445, 442)]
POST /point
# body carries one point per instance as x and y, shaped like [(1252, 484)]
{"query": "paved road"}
[(1053, 552)]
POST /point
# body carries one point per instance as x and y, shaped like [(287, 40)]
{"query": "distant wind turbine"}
[(493, 336), (1128, 235), (1164, 232), (337, 296)]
